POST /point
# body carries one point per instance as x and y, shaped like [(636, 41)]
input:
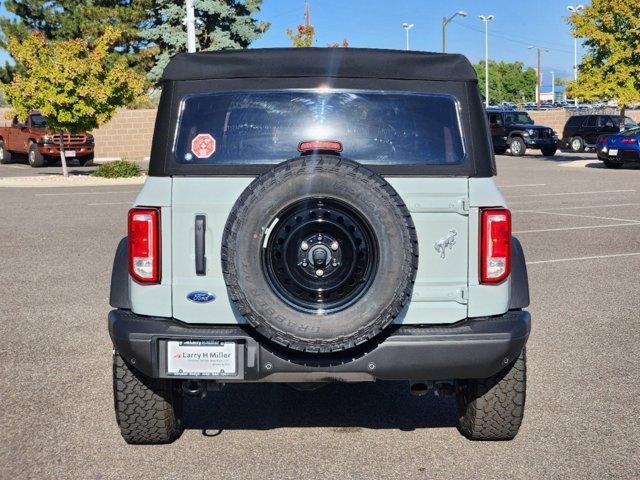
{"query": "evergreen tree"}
[(220, 25), (86, 19)]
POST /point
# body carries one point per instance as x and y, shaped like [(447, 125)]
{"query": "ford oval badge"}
[(201, 297)]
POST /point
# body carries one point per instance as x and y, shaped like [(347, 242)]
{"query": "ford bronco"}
[(319, 215), (41, 146)]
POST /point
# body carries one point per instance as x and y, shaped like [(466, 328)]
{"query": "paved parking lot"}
[(580, 228)]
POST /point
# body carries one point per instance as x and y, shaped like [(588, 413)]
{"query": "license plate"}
[(613, 152), (70, 153), (206, 358)]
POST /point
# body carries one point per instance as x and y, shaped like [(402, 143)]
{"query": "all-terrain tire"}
[(147, 410), (259, 208), (517, 146), (493, 408), (5, 155), (500, 150), (549, 152), (36, 159)]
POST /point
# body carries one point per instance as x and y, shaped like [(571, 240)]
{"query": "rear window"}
[(574, 121), (267, 126)]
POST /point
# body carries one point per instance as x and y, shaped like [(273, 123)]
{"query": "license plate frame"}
[(202, 367)]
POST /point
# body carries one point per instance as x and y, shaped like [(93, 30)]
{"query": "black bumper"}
[(540, 142), (474, 348)]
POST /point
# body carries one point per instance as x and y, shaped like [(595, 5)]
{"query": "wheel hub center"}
[(319, 255)]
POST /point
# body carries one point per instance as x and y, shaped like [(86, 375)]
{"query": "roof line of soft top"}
[(319, 63)]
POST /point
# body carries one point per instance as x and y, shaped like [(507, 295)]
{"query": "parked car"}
[(276, 238), (616, 150), (515, 130), (581, 131), (41, 146)]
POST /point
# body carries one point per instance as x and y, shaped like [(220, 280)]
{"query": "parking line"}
[(595, 257), (83, 193), (579, 228), (586, 216), (525, 185), (582, 207), (19, 167), (570, 193)]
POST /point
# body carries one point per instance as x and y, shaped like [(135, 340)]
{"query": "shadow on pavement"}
[(345, 407)]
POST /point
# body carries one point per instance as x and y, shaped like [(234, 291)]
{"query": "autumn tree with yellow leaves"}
[(611, 67), (77, 86)]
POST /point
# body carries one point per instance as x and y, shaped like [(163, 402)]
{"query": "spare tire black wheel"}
[(319, 254)]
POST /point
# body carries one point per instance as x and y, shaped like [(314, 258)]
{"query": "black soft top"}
[(319, 62)]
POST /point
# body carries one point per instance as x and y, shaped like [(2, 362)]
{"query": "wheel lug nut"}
[(334, 246), (319, 272), (304, 246)]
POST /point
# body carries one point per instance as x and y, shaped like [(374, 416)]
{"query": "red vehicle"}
[(32, 138)]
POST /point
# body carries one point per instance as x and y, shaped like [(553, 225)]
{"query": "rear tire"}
[(5, 155), (36, 159), (517, 146), (147, 410), (549, 152), (576, 145), (492, 408), (613, 164)]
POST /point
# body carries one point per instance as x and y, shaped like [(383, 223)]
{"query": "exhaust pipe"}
[(418, 389), (194, 388)]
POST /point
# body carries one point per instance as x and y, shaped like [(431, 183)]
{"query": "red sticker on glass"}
[(203, 145)]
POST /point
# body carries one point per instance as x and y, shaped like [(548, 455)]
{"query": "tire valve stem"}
[(304, 263), (335, 264)]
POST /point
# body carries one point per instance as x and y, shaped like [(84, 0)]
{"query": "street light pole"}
[(538, 72), (191, 26), (445, 22), (576, 9), (553, 87), (407, 27), (486, 19)]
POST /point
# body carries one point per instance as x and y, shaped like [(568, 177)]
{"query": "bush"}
[(119, 169)]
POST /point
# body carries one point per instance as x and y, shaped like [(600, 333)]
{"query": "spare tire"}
[(319, 254)]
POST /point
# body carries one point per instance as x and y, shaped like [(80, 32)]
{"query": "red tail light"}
[(629, 140), (601, 139), (144, 244), (318, 145), (495, 244)]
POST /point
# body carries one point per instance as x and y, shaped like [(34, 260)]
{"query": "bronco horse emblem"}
[(447, 241)]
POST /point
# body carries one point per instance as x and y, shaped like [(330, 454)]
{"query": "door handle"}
[(200, 228)]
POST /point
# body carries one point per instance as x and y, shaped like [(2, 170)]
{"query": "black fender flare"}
[(516, 133), (519, 297), (119, 292)]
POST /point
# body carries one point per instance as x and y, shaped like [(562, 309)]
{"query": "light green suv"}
[(319, 215)]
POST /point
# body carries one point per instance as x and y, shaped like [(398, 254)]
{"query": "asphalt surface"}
[(580, 228)]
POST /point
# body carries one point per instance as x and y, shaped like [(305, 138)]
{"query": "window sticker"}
[(203, 145)]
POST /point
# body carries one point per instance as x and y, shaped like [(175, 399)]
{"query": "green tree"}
[(220, 25), (611, 67), (508, 82), (87, 19), (74, 85)]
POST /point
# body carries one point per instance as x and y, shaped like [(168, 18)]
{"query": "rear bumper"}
[(474, 348)]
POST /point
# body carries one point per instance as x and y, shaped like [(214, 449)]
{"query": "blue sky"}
[(377, 24)]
